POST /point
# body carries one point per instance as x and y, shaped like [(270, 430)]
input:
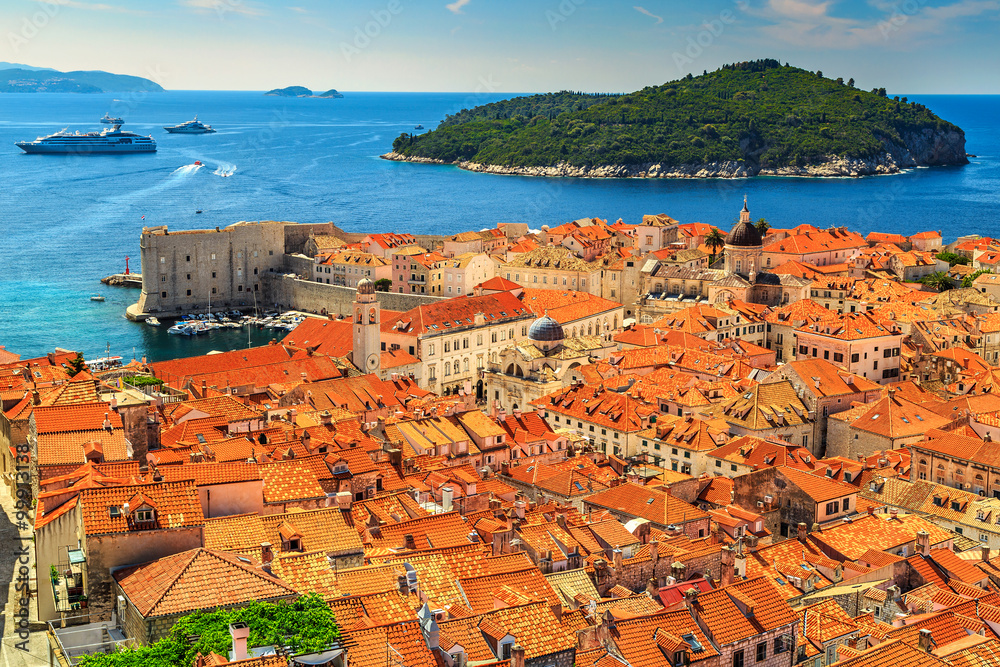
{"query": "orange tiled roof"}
[(176, 504), (286, 481), (640, 501), (197, 579), (743, 610)]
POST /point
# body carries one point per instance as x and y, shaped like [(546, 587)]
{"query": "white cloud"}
[(643, 10), (808, 24), (222, 7), (299, 10), (456, 7)]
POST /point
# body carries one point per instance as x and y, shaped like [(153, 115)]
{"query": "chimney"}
[(326, 418), (344, 500), (652, 587), (802, 532), (923, 544), (519, 509), (690, 597), (677, 570), (403, 585), (517, 656), (239, 633), (410, 542), (447, 493), (266, 554), (925, 641), (728, 572)]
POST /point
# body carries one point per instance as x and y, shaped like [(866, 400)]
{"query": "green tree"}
[(383, 285), (850, 83), (969, 279), (952, 258), (715, 240), (938, 280), (762, 226), (76, 365), (304, 625)]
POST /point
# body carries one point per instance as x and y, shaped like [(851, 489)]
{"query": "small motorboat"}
[(198, 211), (97, 297), (180, 329), (197, 163), (418, 127), (152, 321)]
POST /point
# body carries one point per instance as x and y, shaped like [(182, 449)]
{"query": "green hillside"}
[(16, 80), (759, 113)]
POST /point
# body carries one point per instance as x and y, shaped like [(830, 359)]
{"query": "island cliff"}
[(748, 119)]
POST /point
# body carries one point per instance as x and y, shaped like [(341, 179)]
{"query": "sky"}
[(501, 46)]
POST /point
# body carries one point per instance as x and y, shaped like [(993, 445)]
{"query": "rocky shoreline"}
[(921, 149), (836, 166)]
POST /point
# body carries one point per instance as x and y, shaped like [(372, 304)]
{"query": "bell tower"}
[(367, 349)]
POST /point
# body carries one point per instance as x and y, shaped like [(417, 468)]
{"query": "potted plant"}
[(54, 574), (83, 601)]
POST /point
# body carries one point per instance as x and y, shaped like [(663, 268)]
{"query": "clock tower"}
[(367, 354)]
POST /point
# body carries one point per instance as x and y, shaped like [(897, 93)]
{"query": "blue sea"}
[(67, 221)]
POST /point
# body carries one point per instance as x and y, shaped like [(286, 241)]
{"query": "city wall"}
[(287, 292)]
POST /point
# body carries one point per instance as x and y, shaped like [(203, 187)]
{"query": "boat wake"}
[(186, 170), (224, 169)]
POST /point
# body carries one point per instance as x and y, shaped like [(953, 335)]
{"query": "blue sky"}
[(505, 46)]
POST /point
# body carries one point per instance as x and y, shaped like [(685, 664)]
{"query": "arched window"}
[(465, 365)]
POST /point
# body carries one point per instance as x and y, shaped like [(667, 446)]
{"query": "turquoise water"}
[(67, 221)]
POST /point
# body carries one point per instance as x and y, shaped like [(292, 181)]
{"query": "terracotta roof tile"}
[(176, 504), (197, 579)]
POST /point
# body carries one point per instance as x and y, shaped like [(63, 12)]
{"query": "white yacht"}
[(191, 127)]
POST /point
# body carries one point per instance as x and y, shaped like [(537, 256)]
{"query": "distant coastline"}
[(20, 80)]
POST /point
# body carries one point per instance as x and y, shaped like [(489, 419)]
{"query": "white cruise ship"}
[(90, 143)]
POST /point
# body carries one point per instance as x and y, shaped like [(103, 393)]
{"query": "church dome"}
[(744, 234), (545, 330), (366, 286)]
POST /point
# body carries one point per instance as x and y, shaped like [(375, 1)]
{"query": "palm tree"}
[(715, 240), (762, 226), (938, 280)]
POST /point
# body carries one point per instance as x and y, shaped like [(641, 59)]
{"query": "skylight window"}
[(649, 501)]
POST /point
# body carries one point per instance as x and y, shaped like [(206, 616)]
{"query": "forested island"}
[(745, 119), (301, 91), (37, 80)]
